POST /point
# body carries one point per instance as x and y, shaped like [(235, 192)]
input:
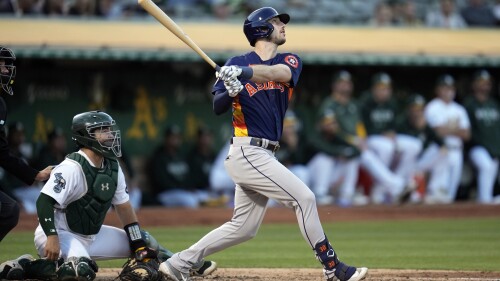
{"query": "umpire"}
[(9, 208)]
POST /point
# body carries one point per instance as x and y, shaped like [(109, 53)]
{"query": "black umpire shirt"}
[(9, 162)]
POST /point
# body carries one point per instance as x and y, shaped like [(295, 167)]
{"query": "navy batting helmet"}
[(256, 25)]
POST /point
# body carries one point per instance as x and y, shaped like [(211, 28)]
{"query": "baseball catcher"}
[(73, 204)]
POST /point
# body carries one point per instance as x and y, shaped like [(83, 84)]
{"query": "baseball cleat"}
[(346, 274), (13, 269), (360, 274), (207, 268), (172, 273)]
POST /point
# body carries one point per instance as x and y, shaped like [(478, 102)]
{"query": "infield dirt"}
[(217, 216)]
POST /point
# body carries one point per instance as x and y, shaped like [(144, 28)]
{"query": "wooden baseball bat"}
[(166, 21)]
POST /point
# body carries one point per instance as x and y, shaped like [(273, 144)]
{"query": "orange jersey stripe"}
[(239, 125)]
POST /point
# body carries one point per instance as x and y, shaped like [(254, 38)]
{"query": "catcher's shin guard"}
[(77, 268), (151, 242), (40, 269), (14, 269)]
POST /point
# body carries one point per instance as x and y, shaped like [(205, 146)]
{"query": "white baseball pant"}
[(258, 176), (326, 170), (109, 243), (487, 168)]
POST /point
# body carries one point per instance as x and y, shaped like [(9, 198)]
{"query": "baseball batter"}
[(74, 202), (258, 86)]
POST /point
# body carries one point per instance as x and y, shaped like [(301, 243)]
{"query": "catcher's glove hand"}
[(136, 270)]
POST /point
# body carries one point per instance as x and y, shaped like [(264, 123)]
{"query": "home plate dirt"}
[(164, 217), (309, 274)]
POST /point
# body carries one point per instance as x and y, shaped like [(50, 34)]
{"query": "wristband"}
[(246, 72), (134, 235)]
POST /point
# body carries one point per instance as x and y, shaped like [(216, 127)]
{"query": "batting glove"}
[(233, 87), (228, 72)]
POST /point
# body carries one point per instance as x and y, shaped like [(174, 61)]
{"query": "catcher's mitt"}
[(136, 270)]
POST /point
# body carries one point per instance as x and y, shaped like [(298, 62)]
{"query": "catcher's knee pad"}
[(40, 269), (77, 269)]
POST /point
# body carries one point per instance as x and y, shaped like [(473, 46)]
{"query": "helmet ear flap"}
[(261, 30)]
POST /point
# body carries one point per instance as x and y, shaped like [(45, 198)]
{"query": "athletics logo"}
[(60, 183), (105, 186)]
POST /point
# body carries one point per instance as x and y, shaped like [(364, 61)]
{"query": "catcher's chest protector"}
[(86, 215)]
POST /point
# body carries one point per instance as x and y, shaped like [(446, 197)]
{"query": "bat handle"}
[(217, 68)]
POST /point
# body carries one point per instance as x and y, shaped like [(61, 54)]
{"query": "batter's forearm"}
[(266, 73), (222, 102)]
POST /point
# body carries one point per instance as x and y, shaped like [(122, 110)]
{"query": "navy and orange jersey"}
[(259, 109)]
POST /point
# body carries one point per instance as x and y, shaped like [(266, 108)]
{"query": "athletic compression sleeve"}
[(222, 102), (45, 210)]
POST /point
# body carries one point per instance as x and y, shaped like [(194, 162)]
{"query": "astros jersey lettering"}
[(259, 109)]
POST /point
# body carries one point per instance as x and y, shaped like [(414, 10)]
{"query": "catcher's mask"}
[(97, 131), (7, 69)]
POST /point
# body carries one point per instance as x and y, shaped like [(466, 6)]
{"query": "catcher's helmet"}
[(84, 128), (256, 25), (8, 70)]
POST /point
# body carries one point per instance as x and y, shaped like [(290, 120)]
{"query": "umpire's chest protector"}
[(86, 215)]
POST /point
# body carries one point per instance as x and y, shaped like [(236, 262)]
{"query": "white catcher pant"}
[(487, 169), (109, 243), (258, 177)]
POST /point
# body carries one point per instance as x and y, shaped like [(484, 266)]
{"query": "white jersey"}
[(67, 184), (438, 113)]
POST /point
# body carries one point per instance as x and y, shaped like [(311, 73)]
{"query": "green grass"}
[(452, 244)]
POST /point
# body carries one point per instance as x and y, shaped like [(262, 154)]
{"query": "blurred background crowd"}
[(358, 146), (382, 13), (371, 126)]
